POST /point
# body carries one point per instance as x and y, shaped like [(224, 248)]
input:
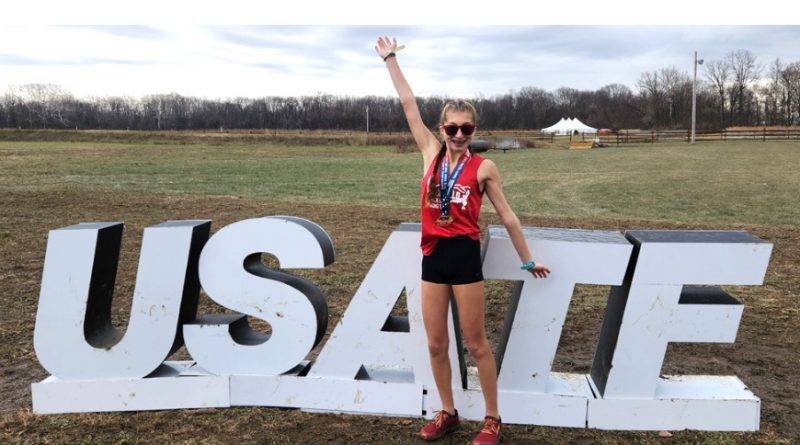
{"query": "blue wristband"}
[(528, 266)]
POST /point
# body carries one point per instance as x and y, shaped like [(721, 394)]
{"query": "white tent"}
[(569, 126)]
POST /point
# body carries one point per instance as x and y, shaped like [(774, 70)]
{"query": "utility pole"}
[(694, 93)]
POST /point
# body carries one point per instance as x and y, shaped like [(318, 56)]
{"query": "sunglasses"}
[(452, 129)]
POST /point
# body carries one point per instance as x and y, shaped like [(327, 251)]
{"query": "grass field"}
[(735, 182), (359, 194)]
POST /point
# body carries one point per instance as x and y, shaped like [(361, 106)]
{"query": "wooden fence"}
[(756, 134), (653, 136)]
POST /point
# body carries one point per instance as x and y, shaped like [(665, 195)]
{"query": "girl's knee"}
[(438, 348), (479, 349)]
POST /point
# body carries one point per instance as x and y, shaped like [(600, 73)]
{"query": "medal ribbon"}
[(445, 193)]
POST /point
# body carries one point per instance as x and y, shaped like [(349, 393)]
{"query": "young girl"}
[(452, 190)]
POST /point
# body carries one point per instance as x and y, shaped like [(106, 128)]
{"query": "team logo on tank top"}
[(460, 196)]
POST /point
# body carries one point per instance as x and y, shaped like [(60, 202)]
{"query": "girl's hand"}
[(385, 46), (539, 271)]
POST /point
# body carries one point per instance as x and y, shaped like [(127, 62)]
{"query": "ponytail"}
[(432, 191)]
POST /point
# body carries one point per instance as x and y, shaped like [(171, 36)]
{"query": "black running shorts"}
[(455, 260)]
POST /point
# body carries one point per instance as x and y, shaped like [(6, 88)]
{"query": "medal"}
[(446, 184), (444, 220)]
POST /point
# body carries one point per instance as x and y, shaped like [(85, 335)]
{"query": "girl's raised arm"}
[(428, 144)]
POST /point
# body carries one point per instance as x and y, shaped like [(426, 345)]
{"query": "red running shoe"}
[(490, 434), (441, 424)]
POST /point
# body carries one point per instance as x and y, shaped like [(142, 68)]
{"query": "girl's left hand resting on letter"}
[(539, 271)]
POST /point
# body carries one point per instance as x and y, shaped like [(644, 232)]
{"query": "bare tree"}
[(651, 91), (718, 73), (617, 107), (790, 83), (47, 104), (14, 107), (677, 87), (532, 106), (774, 95), (745, 71)]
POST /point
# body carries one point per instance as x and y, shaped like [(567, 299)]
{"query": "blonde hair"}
[(458, 106)]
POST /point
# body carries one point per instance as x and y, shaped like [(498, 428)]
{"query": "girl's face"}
[(454, 137)]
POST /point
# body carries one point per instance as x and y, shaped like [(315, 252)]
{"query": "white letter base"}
[(174, 385), (709, 403), (328, 395)]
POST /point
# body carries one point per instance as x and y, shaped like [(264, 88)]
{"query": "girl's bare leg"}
[(435, 308), (470, 299)]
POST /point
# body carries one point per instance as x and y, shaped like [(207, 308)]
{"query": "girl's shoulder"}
[(479, 160)]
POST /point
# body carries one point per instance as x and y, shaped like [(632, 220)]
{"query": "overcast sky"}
[(253, 61)]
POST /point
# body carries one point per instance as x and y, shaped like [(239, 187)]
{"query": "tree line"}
[(732, 91)]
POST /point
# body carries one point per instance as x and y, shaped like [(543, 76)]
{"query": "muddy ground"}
[(765, 355)]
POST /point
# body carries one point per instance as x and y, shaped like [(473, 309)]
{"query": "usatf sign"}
[(375, 362)]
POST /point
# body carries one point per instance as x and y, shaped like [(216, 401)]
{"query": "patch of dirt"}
[(765, 355)]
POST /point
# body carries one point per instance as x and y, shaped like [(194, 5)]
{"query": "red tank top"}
[(465, 206)]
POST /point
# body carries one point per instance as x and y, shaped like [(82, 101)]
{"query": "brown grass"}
[(765, 355)]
